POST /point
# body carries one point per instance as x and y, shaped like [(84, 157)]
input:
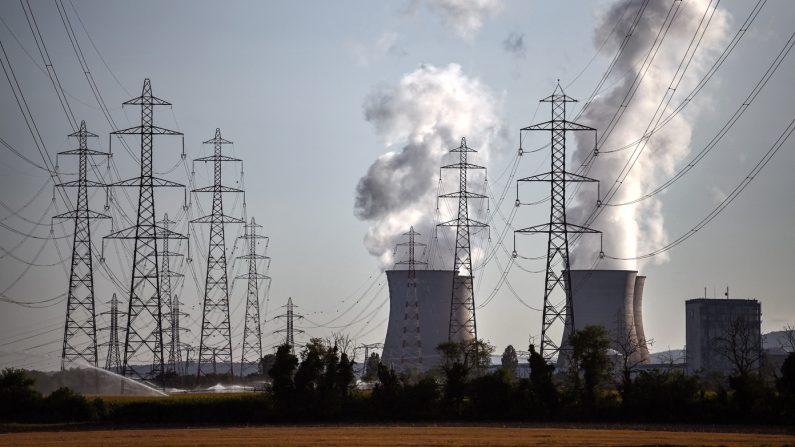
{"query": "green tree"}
[(265, 363), (282, 372), (541, 379), (786, 386), (786, 383), (311, 368), (630, 348), (509, 360), (329, 382), (459, 361), (472, 355), (18, 400), (663, 395), (64, 404), (345, 378), (329, 385), (740, 344), (589, 360), (388, 390), (492, 394), (371, 367)]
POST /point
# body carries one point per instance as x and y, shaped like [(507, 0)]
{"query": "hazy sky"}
[(313, 93)]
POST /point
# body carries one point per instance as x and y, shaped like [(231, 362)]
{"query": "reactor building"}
[(708, 323), (612, 299), (434, 295)]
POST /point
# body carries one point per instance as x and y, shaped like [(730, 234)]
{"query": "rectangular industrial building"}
[(707, 327)]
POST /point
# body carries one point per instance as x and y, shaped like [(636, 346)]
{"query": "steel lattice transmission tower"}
[(175, 350), (558, 229), (170, 302), (411, 343), (215, 343), (143, 340), (290, 330), (463, 325), (252, 329), (81, 321), (113, 360)]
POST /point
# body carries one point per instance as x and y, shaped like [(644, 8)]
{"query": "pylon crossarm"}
[(463, 194), (463, 165), (217, 158), (551, 177), (146, 130), (252, 276), (79, 183), (556, 228), (253, 236), (85, 213), (558, 125), (462, 222), (89, 152), (409, 262), (146, 100), (157, 233), (170, 253), (83, 133), (253, 256), (223, 218), (217, 189), (217, 139), (156, 182)]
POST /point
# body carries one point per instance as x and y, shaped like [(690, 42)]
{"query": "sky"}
[(342, 113)]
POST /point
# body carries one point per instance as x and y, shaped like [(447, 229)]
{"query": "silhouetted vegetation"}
[(318, 384), (19, 402)]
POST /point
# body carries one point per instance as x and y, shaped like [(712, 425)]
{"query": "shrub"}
[(19, 402)]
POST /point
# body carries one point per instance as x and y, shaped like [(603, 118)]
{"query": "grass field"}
[(388, 436)]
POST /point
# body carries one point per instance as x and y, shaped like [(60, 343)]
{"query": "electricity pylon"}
[(411, 339), (289, 329), (558, 229), (81, 321), (175, 350), (252, 329), (463, 325), (143, 340), (113, 360), (170, 302), (215, 343), (367, 348)]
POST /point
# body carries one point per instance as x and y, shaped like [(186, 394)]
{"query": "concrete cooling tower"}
[(609, 298), (434, 290)]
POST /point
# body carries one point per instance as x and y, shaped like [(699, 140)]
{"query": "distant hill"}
[(675, 355), (776, 341)]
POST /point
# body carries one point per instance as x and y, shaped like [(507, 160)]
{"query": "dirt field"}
[(387, 437)]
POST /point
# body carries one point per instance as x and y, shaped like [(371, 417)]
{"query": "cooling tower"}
[(612, 299), (637, 310), (434, 289)]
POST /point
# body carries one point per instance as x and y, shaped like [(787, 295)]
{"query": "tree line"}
[(319, 384)]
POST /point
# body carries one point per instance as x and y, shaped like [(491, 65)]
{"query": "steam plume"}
[(635, 229), (427, 112), (465, 16)]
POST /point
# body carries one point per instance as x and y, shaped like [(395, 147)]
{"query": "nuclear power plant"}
[(434, 292), (612, 299)]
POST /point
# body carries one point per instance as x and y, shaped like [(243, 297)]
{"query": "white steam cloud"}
[(465, 16), (636, 229), (427, 112)]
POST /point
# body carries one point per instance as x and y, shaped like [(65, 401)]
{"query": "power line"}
[(728, 200), (723, 130)]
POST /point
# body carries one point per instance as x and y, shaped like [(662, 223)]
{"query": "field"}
[(389, 436)]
